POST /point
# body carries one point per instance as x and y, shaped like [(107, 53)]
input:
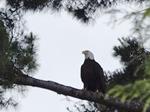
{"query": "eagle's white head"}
[(88, 54)]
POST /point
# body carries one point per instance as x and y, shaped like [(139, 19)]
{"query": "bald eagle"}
[(92, 74)]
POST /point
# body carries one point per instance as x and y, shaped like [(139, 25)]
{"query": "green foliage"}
[(146, 12), (35, 5), (17, 54), (4, 49), (132, 55), (147, 66), (84, 10), (3, 46), (22, 53), (138, 90), (87, 107)]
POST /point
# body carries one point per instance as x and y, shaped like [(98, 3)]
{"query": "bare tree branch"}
[(77, 93)]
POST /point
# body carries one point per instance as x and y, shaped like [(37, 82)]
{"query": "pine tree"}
[(131, 54), (17, 53), (83, 10)]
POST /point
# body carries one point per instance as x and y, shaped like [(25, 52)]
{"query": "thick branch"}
[(76, 93)]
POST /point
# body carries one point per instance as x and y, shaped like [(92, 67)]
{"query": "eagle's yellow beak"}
[(84, 52)]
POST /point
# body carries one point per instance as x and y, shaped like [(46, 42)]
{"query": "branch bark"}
[(77, 93)]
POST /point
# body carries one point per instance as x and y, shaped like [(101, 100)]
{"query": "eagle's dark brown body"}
[(92, 76)]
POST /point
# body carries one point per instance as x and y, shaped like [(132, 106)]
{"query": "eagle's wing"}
[(83, 76), (100, 78)]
